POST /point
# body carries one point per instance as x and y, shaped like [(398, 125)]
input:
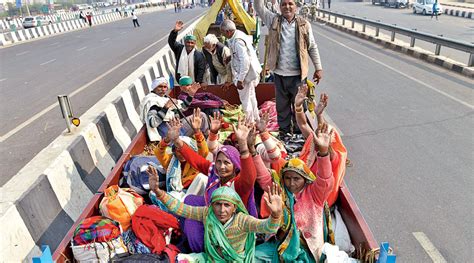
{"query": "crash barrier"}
[(42, 202), (56, 18), (456, 12), (349, 23), (69, 25), (51, 29), (17, 22)]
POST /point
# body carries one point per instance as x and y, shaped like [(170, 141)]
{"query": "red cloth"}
[(149, 224)]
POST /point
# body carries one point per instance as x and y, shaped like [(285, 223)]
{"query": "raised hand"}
[(273, 200), (153, 181), (196, 120), (251, 139), (216, 122), (263, 122), (191, 90), (178, 26), (242, 130), (323, 139), (174, 127), (170, 103), (323, 103), (301, 95)]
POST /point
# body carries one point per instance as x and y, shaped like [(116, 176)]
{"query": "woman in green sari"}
[(229, 231)]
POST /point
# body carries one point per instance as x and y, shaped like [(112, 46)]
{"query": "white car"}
[(34, 21), (425, 7)]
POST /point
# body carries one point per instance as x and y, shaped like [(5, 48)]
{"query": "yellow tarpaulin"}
[(241, 16)]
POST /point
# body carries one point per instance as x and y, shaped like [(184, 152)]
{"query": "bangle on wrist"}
[(245, 152), (323, 154), (278, 217)]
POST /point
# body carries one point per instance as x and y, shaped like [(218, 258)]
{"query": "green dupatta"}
[(216, 244)]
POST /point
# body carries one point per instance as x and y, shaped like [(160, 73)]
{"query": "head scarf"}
[(290, 248), (298, 166), (233, 154), (190, 38), (158, 81), (214, 232), (173, 175)]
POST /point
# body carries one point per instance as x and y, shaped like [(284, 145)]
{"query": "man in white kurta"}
[(245, 67)]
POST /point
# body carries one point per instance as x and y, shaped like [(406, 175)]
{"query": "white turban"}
[(156, 82), (211, 39)]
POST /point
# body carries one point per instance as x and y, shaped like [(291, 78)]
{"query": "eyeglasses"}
[(162, 86)]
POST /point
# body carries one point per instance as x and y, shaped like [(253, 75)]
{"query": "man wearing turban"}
[(189, 61), (156, 108)]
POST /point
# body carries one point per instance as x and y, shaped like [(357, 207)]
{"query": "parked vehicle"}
[(380, 2), (396, 3), (34, 21), (83, 7), (425, 7)]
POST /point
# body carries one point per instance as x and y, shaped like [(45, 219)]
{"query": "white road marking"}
[(105, 39), (123, 33), (82, 48), (2, 80), (52, 106), (429, 247), (401, 73), (54, 44), (22, 53), (47, 62)]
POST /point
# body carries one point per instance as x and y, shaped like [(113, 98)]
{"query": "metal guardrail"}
[(439, 41)]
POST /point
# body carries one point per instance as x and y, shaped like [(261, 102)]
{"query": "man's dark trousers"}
[(286, 88)]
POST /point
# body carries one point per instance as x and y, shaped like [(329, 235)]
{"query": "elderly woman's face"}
[(225, 168), (293, 181), (223, 210)]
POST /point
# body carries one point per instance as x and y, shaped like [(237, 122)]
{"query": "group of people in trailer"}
[(213, 184)]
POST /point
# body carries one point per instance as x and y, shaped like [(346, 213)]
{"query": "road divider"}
[(45, 198), (22, 35)]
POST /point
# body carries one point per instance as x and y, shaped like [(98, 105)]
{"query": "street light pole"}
[(28, 8)]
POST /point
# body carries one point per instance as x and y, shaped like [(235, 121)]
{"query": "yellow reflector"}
[(76, 121)]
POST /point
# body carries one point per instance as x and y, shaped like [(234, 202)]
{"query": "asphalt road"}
[(33, 74), (457, 28), (408, 127)]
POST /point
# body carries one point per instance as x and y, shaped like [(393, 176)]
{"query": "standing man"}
[(189, 61), (89, 18), (245, 67), (218, 58), (135, 19), (435, 10), (291, 46), (329, 4)]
